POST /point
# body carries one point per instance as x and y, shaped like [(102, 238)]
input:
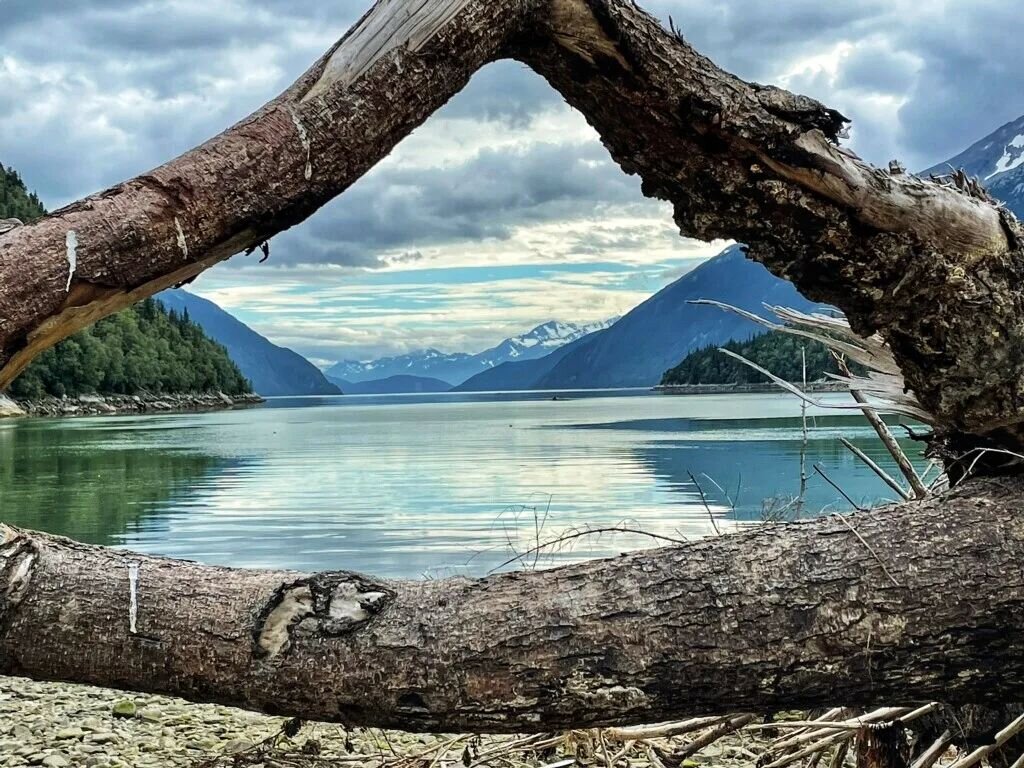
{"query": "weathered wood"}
[(911, 259), (399, 64), (922, 602), (790, 616)]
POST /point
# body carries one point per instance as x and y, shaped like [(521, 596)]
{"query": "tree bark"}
[(933, 267), (272, 170), (909, 258), (916, 603)]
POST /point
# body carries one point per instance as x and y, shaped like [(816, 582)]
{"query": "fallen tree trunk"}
[(920, 602), (924, 601), (270, 171)]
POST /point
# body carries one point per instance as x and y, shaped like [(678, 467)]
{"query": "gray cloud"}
[(92, 91), (484, 197)]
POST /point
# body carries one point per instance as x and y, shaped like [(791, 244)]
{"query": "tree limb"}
[(272, 170), (934, 267)]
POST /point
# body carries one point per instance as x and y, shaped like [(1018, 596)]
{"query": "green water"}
[(424, 485)]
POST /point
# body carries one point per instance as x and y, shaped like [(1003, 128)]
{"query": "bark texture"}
[(934, 267), (272, 170), (858, 611)]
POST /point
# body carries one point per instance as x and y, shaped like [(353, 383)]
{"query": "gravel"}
[(56, 725)]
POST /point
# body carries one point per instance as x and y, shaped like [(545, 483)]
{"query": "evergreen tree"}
[(778, 352), (16, 202), (141, 349)]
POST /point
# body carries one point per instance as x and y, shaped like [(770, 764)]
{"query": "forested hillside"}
[(141, 349), (16, 202), (779, 352)]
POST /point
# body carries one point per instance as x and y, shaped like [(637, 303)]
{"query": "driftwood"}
[(907, 605), (787, 616)]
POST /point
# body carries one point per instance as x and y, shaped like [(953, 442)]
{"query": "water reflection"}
[(89, 484), (412, 486)]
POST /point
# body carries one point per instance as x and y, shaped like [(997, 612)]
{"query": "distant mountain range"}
[(656, 335), (454, 368), (273, 370), (998, 161), (392, 385), (521, 374)]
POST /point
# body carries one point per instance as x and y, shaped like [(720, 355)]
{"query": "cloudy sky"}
[(503, 211)]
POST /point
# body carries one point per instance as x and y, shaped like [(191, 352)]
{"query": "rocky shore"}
[(98, 405), (58, 725), (745, 389)]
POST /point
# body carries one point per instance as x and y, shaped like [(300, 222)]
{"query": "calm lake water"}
[(424, 485)]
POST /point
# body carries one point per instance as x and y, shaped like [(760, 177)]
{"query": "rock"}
[(9, 408), (104, 737), (123, 708), (150, 714), (56, 760), (237, 745), (69, 733)]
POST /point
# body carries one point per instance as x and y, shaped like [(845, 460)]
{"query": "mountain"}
[(521, 374), (273, 370), (392, 385), (657, 334), (457, 367), (998, 161), (539, 342), (427, 363)]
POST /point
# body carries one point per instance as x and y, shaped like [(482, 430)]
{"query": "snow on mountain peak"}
[(459, 366), (1012, 157)]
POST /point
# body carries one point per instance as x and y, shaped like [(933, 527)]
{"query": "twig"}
[(840, 756), (588, 532), (828, 480), (725, 493), (704, 501), (981, 753), (930, 756), (662, 730), (885, 476), (886, 436), (711, 736), (869, 548), (803, 441), (885, 714)]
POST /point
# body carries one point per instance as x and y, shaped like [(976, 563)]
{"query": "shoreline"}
[(122, 405), (737, 389)]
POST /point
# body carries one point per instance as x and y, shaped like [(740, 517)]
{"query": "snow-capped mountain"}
[(456, 367), (538, 342), (998, 161)]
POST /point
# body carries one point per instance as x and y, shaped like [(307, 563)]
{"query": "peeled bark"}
[(858, 611)]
